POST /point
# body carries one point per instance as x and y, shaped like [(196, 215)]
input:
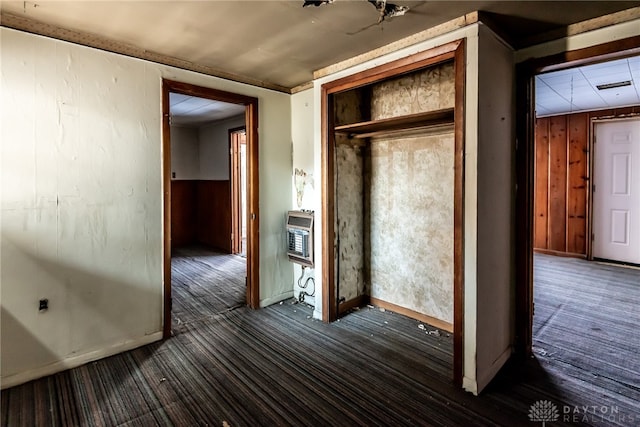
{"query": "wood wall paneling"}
[(183, 212), (578, 131), (213, 217), (201, 214), (557, 184), (561, 183), (541, 194)]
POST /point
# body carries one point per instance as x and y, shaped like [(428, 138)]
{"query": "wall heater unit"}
[(300, 237)]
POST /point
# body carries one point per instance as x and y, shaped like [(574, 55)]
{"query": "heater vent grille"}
[(299, 221), (300, 237)]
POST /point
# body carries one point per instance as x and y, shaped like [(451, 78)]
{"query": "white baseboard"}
[(78, 360), (470, 385), (276, 299)]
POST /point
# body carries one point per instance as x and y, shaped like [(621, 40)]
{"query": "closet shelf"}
[(411, 121)]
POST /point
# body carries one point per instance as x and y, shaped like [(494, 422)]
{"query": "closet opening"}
[(392, 154)]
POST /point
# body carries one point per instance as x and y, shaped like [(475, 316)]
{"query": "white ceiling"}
[(575, 89), (191, 111)]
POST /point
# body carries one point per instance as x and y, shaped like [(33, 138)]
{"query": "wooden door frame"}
[(236, 240), (525, 160), (253, 224), (453, 51)]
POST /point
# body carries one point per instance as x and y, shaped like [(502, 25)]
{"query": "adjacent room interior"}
[(587, 224), (208, 207)]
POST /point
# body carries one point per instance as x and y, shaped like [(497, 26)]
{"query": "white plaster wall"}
[(82, 201), (470, 34), (214, 148), (496, 206), (275, 198), (302, 116), (185, 153)]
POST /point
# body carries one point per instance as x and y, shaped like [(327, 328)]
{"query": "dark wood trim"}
[(253, 237), (253, 204), (559, 253), (460, 63), (410, 121), (234, 183), (453, 51), (359, 301), (589, 55), (525, 161), (590, 168), (437, 323), (395, 68), (329, 304), (166, 211), (525, 138), (208, 93)]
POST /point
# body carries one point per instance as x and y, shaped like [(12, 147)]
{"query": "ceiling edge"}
[(302, 87), (29, 25), (447, 27), (583, 27)]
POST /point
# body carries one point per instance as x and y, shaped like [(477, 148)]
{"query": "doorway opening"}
[(616, 204), (197, 197), (238, 151), (576, 314)]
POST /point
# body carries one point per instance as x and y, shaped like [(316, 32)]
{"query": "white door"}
[(616, 196)]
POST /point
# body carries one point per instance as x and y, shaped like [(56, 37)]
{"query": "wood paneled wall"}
[(214, 214), (201, 213), (562, 171), (183, 208), (561, 183)]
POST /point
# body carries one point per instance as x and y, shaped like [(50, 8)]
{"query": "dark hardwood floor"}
[(278, 366), (586, 336), (205, 283)]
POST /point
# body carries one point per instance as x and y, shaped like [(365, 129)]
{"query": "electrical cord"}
[(303, 287)]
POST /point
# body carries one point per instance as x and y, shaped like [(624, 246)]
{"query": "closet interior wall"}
[(394, 197)]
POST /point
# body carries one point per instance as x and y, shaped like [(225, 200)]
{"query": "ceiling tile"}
[(578, 85)]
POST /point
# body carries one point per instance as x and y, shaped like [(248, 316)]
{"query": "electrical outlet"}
[(44, 305), (173, 174)]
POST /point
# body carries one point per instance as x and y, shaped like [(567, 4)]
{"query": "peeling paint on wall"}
[(301, 180)]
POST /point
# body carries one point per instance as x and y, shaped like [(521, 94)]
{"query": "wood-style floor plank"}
[(279, 366)]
